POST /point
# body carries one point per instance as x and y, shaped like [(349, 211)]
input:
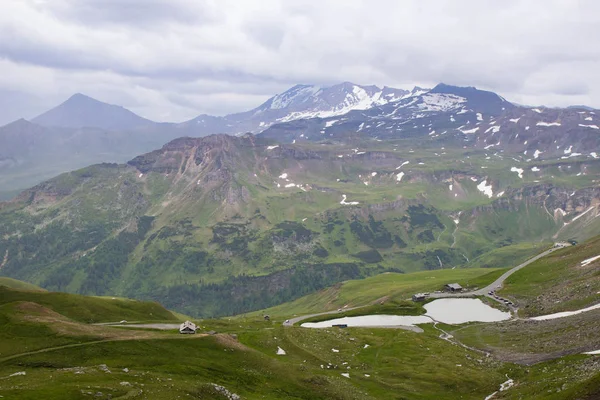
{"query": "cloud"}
[(175, 59)]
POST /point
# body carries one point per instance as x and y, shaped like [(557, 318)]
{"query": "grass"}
[(90, 309), (65, 359), (388, 286), (20, 285), (533, 341), (557, 282), (388, 308)]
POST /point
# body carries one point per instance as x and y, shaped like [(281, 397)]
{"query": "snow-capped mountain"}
[(302, 102), (464, 115)]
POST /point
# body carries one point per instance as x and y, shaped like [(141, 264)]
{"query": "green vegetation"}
[(248, 228), (19, 285), (392, 288), (558, 282), (90, 309), (388, 308)]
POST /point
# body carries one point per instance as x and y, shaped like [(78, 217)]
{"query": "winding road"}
[(479, 292)]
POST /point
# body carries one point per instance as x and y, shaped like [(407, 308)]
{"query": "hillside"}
[(84, 308), (223, 225), (45, 354)]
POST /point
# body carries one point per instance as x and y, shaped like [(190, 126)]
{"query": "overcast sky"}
[(171, 60)]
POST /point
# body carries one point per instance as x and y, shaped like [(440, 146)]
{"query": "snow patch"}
[(373, 173), (564, 314), (537, 153), (403, 164), (535, 169), (280, 351), (537, 110), (493, 128), (272, 147), (514, 120), (345, 374), (548, 124), (485, 189), (283, 176), (348, 203), (589, 260), (479, 117), (331, 123), (593, 154), (519, 171), (440, 102), (470, 130), (568, 151), (399, 176), (589, 126)]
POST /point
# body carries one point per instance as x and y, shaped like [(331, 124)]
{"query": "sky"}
[(172, 60)]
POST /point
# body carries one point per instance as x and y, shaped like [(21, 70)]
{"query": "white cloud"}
[(176, 59)]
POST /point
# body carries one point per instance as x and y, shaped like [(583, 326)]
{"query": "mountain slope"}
[(81, 111), (221, 225)]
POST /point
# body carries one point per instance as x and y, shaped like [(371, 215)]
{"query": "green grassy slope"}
[(222, 225), (389, 286), (90, 309), (558, 282), (20, 285)]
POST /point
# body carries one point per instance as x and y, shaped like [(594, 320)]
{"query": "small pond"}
[(449, 311)]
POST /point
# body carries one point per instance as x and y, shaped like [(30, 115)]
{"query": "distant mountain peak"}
[(80, 111)]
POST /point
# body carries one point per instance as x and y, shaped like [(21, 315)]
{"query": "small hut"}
[(187, 327), (419, 297), (453, 287)]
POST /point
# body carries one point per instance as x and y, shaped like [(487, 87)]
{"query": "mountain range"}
[(314, 187), (83, 131)]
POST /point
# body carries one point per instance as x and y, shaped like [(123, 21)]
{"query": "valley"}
[(251, 357), (310, 208)]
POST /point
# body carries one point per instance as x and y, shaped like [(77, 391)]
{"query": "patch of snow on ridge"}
[(548, 124), (493, 128), (440, 102), (564, 314), (589, 260), (272, 147), (485, 189), (330, 123), (349, 203), (537, 110), (519, 171), (399, 176), (589, 126), (503, 386), (470, 130), (403, 164)]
